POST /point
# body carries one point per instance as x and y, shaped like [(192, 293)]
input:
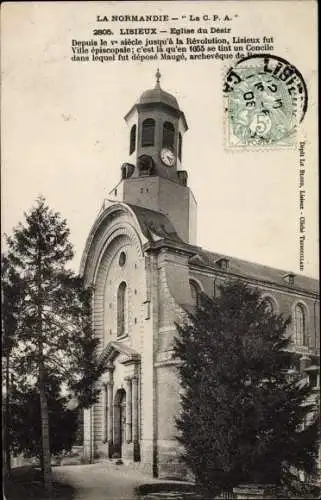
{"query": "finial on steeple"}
[(158, 76)]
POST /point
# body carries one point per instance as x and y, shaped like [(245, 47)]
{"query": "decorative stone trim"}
[(109, 216), (128, 389), (117, 221), (114, 348)]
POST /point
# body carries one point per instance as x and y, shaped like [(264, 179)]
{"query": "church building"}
[(144, 266)]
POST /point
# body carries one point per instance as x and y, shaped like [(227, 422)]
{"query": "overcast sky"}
[(64, 136)]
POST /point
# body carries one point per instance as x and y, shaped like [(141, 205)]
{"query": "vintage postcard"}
[(179, 140)]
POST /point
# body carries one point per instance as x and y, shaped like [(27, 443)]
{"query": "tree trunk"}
[(44, 416), (46, 457)]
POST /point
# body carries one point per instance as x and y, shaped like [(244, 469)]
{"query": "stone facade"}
[(144, 268)]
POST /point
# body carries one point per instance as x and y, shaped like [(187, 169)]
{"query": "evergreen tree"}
[(241, 417), (11, 300), (25, 404), (54, 329)]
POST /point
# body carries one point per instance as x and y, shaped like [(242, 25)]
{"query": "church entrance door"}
[(120, 421)]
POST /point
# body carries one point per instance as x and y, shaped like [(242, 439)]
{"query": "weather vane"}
[(158, 76)]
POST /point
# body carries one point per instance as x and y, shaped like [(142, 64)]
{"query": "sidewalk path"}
[(102, 481)]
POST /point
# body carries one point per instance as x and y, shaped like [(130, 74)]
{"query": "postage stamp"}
[(265, 101)]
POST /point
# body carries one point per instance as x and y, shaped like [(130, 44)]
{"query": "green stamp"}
[(265, 101)]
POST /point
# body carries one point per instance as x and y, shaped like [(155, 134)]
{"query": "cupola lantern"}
[(153, 177)]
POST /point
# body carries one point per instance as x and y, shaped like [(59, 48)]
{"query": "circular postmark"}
[(266, 99)]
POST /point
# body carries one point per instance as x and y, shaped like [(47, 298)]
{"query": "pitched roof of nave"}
[(155, 223), (259, 271)]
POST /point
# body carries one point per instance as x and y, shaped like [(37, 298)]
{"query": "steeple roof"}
[(157, 94)]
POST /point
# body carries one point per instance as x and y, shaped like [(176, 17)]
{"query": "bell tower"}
[(153, 177)]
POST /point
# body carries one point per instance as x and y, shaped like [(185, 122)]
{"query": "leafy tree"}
[(241, 418), (53, 334)]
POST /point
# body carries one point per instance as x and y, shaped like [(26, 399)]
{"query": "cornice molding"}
[(213, 271)]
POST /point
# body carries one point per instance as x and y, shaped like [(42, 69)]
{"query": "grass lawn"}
[(26, 483)]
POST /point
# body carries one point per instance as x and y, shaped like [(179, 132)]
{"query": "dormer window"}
[(289, 278), (223, 263), (132, 142), (148, 132), (168, 135)]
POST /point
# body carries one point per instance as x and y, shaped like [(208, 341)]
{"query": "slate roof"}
[(157, 95), (260, 271), (154, 223)]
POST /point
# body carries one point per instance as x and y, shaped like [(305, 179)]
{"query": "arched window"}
[(195, 292), (122, 309), (132, 142), (148, 133), (168, 135), (300, 327), (180, 145)]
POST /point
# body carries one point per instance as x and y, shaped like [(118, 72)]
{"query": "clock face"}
[(167, 157)]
